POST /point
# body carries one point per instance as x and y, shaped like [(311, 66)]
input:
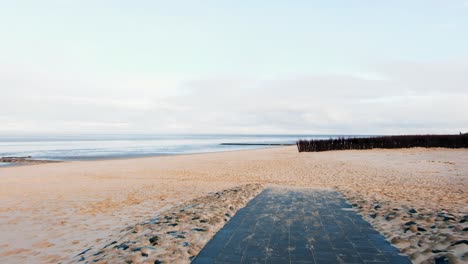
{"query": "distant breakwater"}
[(385, 142), (255, 144)]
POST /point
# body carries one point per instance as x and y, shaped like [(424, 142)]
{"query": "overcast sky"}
[(145, 66)]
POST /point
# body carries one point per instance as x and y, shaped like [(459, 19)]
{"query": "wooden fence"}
[(387, 142)]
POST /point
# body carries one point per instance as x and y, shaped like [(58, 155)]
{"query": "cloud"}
[(408, 98), (142, 104), (390, 98)]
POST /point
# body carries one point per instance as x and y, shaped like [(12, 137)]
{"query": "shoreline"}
[(53, 212), (136, 157), (33, 161)]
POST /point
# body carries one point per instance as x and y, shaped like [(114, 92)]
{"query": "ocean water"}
[(86, 147)]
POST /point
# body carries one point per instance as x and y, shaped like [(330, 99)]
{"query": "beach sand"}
[(49, 213)]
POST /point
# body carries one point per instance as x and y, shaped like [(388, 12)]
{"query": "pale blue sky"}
[(114, 63)]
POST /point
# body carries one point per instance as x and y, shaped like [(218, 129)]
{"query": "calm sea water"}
[(85, 147)]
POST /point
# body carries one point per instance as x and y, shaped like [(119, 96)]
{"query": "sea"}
[(90, 147)]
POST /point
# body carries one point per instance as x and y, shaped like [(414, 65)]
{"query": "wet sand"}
[(50, 213)]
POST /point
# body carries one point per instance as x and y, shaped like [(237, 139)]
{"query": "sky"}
[(218, 66)]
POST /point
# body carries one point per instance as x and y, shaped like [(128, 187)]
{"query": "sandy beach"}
[(50, 213)]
